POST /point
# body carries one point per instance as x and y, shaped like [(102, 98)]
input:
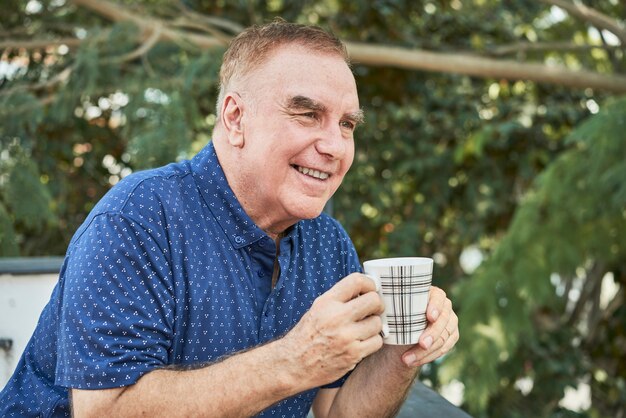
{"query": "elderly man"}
[(215, 287)]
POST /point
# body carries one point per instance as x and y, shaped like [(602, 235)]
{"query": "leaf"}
[(24, 194), (8, 242)]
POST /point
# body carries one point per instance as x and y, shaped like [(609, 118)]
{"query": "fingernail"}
[(435, 313), (428, 341), (410, 359)]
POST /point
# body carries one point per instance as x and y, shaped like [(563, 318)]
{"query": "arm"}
[(339, 330), (237, 386), (379, 385)]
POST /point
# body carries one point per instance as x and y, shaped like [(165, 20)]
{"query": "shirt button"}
[(260, 273), (238, 239)]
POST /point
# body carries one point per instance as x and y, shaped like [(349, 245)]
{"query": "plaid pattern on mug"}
[(405, 286)]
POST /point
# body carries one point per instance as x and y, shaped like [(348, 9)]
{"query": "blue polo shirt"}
[(169, 269)]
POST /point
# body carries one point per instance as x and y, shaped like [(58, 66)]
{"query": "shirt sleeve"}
[(117, 306)]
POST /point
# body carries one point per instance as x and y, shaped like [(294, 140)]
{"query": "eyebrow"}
[(303, 102)]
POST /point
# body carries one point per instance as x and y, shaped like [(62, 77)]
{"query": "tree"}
[(467, 103), (566, 237)]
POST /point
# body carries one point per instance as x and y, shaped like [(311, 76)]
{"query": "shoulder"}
[(142, 196), (141, 185)]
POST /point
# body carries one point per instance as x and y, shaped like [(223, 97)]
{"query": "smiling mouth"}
[(320, 175)]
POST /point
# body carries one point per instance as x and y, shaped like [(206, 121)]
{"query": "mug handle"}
[(385, 331)]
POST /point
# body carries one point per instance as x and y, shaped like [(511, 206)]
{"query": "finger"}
[(365, 305), (371, 345), (440, 352), (367, 327), (435, 329), (436, 300), (449, 330), (351, 286), (417, 356), (429, 348)]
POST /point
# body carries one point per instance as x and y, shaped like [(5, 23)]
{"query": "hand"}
[(341, 328), (440, 335)]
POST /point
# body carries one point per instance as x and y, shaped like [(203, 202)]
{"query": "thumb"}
[(352, 286)]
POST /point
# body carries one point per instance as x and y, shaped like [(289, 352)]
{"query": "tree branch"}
[(612, 55), (21, 31), (38, 43), (186, 24), (380, 55), (593, 282), (42, 102), (118, 13), (216, 22), (592, 16), (415, 59), (143, 49), (544, 46), (594, 327), (594, 315), (59, 78)]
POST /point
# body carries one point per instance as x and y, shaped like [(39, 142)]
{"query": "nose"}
[(332, 143)]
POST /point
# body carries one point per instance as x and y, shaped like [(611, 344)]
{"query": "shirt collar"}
[(222, 202)]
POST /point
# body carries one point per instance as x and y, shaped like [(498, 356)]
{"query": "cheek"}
[(349, 158), (345, 166)]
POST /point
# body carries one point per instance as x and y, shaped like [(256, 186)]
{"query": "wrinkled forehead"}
[(295, 70), (299, 58), (292, 48)]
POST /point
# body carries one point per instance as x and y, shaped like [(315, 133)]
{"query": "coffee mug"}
[(404, 284)]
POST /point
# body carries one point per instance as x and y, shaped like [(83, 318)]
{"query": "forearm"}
[(377, 387), (241, 385), (336, 334)]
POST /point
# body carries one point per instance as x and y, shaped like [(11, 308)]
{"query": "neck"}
[(276, 236), (243, 186)]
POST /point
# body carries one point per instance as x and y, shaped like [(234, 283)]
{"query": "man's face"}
[(301, 111)]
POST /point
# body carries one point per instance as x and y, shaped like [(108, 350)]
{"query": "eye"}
[(347, 124), (310, 115)]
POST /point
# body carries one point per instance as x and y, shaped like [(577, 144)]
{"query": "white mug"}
[(404, 284)]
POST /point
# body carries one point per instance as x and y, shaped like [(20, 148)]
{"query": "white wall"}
[(21, 300)]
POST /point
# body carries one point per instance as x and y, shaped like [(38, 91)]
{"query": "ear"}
[(232, 119)]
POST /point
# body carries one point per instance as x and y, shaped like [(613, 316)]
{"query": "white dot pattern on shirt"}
[(168, 269)]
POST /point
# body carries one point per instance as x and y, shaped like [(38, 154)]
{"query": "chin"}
[(308, 214), (303, 211)]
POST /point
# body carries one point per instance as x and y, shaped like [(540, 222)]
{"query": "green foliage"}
[(26, 198), (108, 115), (31, 210), (444, 163), (573, 218), (8, 243)]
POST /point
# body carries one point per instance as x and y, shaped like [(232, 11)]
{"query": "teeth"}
[(313, 173)]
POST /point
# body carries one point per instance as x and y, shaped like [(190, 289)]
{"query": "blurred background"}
[(495, 142)]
